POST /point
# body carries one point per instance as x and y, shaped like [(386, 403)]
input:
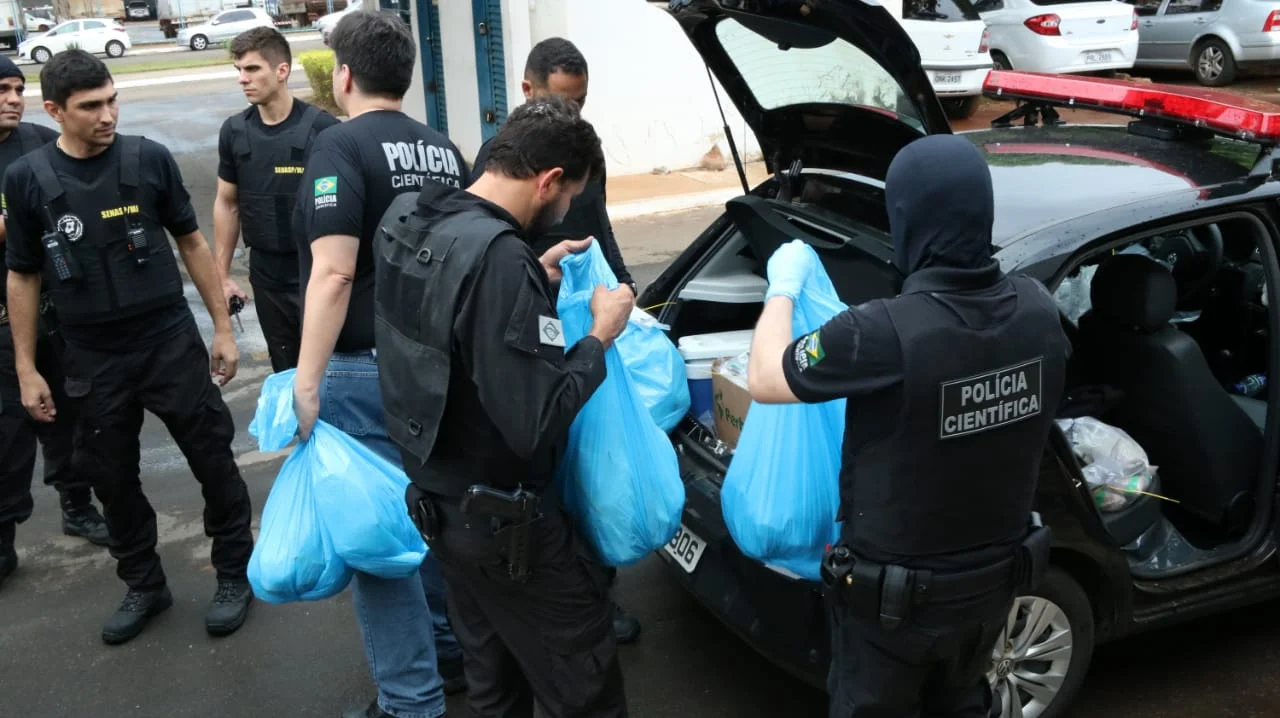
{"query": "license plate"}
[(946, 78), (686, 548), (1094, 58)]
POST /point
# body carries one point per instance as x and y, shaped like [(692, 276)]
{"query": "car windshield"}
[(835, 73), (944, 10)]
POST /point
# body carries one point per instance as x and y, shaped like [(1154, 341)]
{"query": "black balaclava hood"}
[(938, 192), (8, 68)]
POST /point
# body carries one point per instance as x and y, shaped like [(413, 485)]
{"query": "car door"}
[(226, 26), (93, 36), (59, 37), (1176, 27)]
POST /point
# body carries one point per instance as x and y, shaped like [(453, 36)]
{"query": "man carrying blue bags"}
[(480, 390), (935, 503)]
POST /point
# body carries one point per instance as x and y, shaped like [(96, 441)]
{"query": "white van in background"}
[(952, 40)]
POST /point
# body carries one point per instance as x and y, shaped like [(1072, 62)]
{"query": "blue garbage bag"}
[(782, 489), (274, 424), (656, 368), (619, 479)]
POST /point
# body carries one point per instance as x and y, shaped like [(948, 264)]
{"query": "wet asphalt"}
[(305, 659)]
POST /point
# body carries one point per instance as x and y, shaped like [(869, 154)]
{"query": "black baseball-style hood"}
[(935, 223), (836, 84)]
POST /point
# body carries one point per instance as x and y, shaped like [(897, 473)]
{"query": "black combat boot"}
[(229, 608), (81, 518), (373, 710), (135, 610), (626, 628), (8, 555)]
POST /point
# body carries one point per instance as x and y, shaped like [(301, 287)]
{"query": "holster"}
[(870, 590), (1032, 560), (511, 533)]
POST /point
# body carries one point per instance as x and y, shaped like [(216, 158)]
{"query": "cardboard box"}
[(731, 400)]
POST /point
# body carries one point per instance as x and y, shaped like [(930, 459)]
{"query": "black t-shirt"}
[(355, 171), (11, 149), (24, 223), (267, 269)]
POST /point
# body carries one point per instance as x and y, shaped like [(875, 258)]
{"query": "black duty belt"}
[(507, 517), (888, 592)]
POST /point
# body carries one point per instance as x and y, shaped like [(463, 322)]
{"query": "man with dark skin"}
[(555, 67), (18, 433)]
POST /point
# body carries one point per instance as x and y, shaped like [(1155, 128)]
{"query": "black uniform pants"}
[(19, 434), (171, 380), (932, 666), (548, 640), (280, 315)]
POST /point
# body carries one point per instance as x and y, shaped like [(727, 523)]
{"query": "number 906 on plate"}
[(685, 548)]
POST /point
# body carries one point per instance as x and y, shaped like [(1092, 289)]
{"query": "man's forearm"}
[(768, 344), (199, 262), (328, 295), (23, 303), (226, 234)]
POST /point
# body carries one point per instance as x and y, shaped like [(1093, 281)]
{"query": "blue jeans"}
[(394, 614)]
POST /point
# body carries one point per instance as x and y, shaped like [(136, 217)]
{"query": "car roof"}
[(1056, 183)]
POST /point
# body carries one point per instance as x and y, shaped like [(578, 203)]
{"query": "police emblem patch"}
[(809, 352), (326, 185), (71, 226)]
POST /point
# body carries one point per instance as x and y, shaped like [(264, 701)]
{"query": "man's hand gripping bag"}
[(293, 558), (619, 479), (782, 489)]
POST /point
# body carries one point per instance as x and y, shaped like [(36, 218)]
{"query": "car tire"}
[(960, 108), (41, 55), (1062, 618), (1000, 61), (199, 42), (115, 49), (1213, 63)]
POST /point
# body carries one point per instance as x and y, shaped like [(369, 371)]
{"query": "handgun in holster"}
[(425, 517), (868, 589), (1033, 554), (511, 517)]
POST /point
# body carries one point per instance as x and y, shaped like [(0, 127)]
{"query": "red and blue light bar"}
[(1226, 113)]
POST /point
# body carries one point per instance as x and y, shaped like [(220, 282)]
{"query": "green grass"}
[(214, 56)]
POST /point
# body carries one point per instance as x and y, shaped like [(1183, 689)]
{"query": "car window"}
[(944, 10), (234, 16), (94, 25), (1181, 7), (1146, 8), (837, 73)]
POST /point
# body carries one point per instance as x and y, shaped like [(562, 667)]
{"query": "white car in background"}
[(1061, 36), (98, 35), (223, 27), (952, 41), (325, 23)]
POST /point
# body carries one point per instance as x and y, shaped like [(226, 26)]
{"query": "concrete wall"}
[(650, 99)]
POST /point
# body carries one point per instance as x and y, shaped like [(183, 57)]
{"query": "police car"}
[(1171, 348)]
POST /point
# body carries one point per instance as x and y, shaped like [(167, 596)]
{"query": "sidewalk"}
[(170, 46), (638, 195)]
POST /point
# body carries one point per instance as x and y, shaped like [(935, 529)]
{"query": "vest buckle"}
[(424, 255)]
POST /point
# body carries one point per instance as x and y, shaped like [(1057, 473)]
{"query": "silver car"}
[(1214, 38), (223, 27)]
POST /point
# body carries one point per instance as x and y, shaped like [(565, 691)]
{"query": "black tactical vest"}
[(269, 171), (28, 138), (421, 273), (958, 470), (125, 264)]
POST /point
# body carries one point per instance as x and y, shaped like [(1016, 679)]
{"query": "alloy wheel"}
[(1031, 659)]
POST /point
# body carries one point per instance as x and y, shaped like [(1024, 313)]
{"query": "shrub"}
[(318, 65)]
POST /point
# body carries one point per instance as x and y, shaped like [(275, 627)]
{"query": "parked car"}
[(99, 35), (223, 27), (952, 40), (1214, 38), (141, 9), (1190, 183), (1064, 36), (325, 23)]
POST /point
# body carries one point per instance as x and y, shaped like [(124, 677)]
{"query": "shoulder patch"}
[(808, 351)]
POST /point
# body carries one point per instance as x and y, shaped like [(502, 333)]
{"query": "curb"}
[(635, 209)]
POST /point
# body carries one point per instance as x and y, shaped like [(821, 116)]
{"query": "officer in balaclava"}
[(951, 389)]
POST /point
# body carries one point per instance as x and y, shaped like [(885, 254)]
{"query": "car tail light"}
[(985, 43), (1134, 24), (1223, 112), (117, 28), (1273, 21), (1043, 24)]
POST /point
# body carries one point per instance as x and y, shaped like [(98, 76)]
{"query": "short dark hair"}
[(555, 54), (266, 41), (379, 49), (545, 133), (69, 72)]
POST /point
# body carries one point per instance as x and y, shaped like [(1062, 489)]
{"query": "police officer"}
[(262, 154), (951, 390), (89, 213), (354, 172), (479, 392), (18, 433), (555, 66)]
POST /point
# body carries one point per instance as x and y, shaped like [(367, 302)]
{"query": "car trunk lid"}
[(1089, 20), (836, 84)]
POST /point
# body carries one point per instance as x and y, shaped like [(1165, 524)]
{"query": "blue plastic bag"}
[(656, 368), (782, 489), (357, 497), (620, 479)]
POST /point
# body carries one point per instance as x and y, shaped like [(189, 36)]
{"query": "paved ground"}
[(305, 659)]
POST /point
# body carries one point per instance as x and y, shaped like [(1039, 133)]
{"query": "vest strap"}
[(240, 132), (28, 138)]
